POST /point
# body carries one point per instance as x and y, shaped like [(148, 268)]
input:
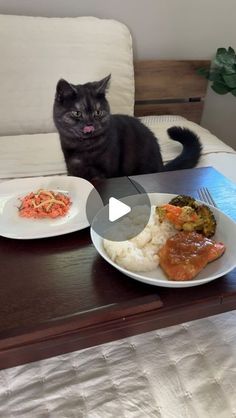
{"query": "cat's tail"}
[(191, 152)]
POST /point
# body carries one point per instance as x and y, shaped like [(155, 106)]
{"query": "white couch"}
[(187, 371)]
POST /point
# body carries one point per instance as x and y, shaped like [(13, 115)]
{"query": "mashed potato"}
[(139, 253)]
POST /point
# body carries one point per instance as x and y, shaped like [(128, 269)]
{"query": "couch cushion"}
[(40, 154), (37, 51), (31, 155)]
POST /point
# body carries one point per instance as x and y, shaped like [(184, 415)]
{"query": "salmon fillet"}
[(185, 254)]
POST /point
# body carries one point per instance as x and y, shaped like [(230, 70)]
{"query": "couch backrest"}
[(35, 52)]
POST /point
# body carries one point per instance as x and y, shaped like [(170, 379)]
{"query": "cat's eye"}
[(98, 113), (77, 114)]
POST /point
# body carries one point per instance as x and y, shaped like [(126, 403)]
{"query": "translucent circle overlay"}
[(125, 227)]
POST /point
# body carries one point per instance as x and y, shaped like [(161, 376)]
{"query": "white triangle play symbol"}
[(117, 209)]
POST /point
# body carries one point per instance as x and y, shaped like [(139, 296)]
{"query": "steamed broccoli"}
[(206, 222)]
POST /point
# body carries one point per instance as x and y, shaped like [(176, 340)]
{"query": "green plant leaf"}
[(223, 71), (220, 57), (230, 80), (228, 69), (225, 58), (219, 88), (221, 51), (231, 52), (216, 76)]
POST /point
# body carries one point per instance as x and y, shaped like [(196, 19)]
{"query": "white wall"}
[(162, 29)]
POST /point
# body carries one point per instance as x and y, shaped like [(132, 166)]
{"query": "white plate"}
[(14, 226), (225, 232)]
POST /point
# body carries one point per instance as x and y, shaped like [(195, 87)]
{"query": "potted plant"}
[(223, 71)]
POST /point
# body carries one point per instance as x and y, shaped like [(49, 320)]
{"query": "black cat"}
[(97, 144)]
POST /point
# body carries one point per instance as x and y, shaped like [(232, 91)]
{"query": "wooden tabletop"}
[(58, 295)]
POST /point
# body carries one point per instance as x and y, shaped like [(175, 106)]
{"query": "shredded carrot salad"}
[(44, 204)]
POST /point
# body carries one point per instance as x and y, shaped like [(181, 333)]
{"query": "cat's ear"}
[(102, 85), (64, 90)]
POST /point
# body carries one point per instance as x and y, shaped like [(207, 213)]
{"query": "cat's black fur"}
[(97, 144)]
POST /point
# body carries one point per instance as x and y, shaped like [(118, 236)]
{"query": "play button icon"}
[(118, 216), (117, 209)]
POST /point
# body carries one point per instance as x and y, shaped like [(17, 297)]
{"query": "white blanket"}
[(185, 371)]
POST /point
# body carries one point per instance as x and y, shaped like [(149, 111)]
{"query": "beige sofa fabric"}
[(40, 154), (36, 51)]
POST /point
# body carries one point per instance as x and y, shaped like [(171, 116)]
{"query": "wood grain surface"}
[(58, 295), (170, 87), (169, 79)]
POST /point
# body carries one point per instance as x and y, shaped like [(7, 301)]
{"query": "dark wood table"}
[(58, 295)]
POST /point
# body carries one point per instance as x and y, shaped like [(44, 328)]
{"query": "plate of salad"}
[(43, 206)]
